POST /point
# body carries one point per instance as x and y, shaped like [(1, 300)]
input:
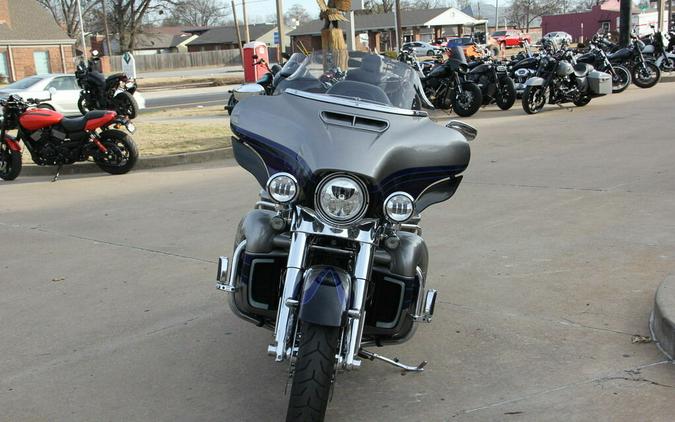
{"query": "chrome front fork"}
[(357, 313)]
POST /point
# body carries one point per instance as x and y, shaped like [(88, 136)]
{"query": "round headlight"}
[(282, 187), (341, 199), (399, 207)]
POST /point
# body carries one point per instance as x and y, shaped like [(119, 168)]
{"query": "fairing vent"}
[(356, 122)]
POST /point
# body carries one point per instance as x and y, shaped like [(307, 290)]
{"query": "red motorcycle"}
[(55, 140)]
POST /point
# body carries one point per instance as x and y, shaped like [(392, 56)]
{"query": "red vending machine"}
[(253, 53)]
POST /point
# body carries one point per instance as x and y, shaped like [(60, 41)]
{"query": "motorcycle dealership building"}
[(31, 41)]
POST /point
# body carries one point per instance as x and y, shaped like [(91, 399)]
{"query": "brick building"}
[(31, 41)]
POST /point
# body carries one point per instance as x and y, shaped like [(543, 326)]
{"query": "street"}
[(190, 97), (546, 261)]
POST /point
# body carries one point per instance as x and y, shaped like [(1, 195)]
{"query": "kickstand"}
[(570, 109), (394, 362), (58, 172)]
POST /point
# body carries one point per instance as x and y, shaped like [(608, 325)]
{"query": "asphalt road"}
[(186, 98), (546, 259)]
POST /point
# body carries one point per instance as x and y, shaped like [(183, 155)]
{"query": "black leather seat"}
[(582, 69), (76, 124), (355, 89)]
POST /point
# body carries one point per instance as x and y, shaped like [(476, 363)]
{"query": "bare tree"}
[(423, 4), (296, 14), (66, 14), (583, 5), (379, 6), (199, 12), (128, 18), (522, 13)]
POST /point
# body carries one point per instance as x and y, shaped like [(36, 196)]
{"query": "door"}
[(66, 93), (41, 59)]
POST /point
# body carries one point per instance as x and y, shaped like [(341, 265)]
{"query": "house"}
[(225, 37), (158, 43), (377, 31), (583, 25), (31, 42)]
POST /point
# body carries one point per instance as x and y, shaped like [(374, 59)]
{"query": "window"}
[(4, 70), (24, 83), (604, 25), (63, 83), (41, 59)]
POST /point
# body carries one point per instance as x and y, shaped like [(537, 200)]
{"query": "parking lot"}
[(546, 262)]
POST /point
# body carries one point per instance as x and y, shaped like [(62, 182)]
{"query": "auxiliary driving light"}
[(399, 207), (282, 187)]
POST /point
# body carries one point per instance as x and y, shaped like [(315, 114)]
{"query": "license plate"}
[(501, 68), (131, 127)]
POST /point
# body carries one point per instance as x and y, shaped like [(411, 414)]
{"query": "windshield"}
[(24, 83), (498, 33), (357, 76)]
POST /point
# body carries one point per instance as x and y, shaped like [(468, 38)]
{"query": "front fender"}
[(325, 296), (535, 81), (12, 143)]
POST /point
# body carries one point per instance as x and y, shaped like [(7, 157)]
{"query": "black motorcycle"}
[(558, 81), (645, 73), (596, 56), (494, 82), (116, 92), (447, 88), (267, 82), (655, 50), (332, 259)]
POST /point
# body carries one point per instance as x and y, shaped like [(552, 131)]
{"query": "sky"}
[(263, 8)]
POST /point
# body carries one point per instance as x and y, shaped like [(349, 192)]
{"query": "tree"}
[(423, 4), (128, 17), (522, 13), (199, 13), (66, 14), (379, 6), (296, 14), (583, 5)]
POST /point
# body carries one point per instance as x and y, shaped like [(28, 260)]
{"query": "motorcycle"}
[(332, 258), (55, 140), (655, 50), (494, 82), (263, 86), (447, 87), (645, 73), (116, 92), (596, 56), (522, 67), (558, 81)]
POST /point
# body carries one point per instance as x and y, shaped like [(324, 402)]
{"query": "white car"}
[(559, 36), (58, 91), (422, 48)]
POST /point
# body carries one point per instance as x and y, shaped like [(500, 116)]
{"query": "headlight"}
[(129, 85), (282, 187), (341, 199), (399, 207)]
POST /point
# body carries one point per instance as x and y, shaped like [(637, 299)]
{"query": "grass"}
[(161, 138)]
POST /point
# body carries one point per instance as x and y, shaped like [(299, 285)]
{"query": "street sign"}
[(276, 38), (129, 65)]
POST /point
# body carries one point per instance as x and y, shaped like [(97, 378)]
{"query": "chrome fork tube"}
[(283, 329), (357, 313)]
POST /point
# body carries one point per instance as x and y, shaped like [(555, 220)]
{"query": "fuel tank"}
[(39, 118)]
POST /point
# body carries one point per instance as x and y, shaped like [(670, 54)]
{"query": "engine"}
[(53, 147)]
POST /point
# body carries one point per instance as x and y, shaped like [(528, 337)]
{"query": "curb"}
[(143, 163), (662, 320)]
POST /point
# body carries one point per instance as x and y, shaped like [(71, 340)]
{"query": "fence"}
[(168, 61)]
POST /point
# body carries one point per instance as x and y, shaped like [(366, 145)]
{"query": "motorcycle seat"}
[(114, 77), (582, 69), (370, 71), (76, 124)]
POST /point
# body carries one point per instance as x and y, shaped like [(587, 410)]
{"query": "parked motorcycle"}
[(645, 73), (332, 258), (522, 67), (494, 82), (116, 92), (55, 140), (596, 56), (447, 87), (655, 50), (266, 84), (558, 81)]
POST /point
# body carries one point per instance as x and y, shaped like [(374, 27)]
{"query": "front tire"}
[(534, 99), (467, 102), (644, 81), (582, 101), (10, 162), (125, 105), (122, 152), (506, 96), (621, 79), (313, 375), (83, 106)]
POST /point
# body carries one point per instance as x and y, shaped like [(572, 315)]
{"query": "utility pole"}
[(496, 18), (246, 31), (670, 15), (105, 25), (399, 29), (661, 7), (280, 28), (84, 43), (236, 26), (625, 22)]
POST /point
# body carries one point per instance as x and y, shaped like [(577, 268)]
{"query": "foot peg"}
[(428, 308), (394, 362), (223, 282)]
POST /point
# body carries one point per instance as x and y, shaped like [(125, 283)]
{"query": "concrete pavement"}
[(546, 260)]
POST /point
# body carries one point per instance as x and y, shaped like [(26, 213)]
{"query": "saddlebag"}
[(600, 82)]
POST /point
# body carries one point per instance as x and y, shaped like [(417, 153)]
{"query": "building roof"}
[(156, 41), (30, 23), (409, 18), (228, 34)]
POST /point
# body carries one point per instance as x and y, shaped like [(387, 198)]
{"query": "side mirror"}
[(468, 131), (52, 91)]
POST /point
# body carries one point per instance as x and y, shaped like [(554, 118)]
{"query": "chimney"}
[(4, 13)]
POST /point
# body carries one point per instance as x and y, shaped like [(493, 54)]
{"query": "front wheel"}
[(83, 105), (125, 105), (582, 100), (467, 102), (621, 79), (313, 374), (647, 78), (10, 162), (121, 154), (668, 64), (534, 99), (506, 96)]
